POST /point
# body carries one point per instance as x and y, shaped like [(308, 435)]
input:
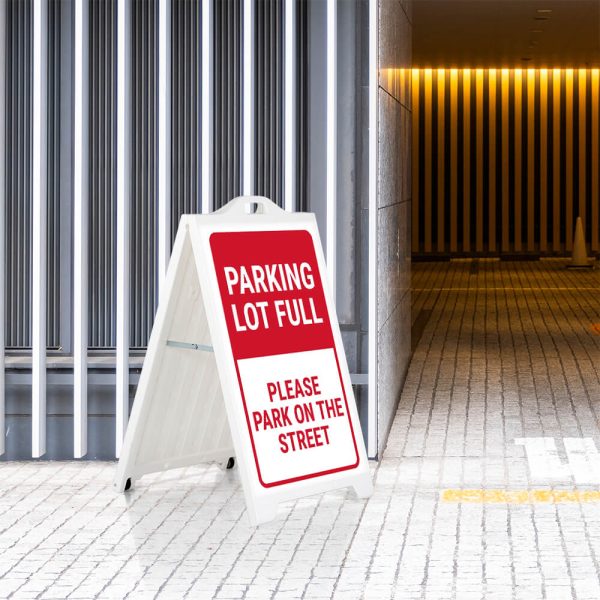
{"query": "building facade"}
[(120, 116)]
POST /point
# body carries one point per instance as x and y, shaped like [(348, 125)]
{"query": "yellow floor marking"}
[(520, 496)]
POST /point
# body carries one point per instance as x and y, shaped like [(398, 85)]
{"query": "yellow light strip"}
[(415, 160), (441, 192), (543, 158), (517, 158), (466, 160), (530, 159), (505, 84), (569, 157), (453, 160), (428, 81), (582, 77), (595, 175), (492, 161), (479, 150), (496, 496), (556, 76)]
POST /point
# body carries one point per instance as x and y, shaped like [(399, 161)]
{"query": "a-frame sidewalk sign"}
[(246, 360)]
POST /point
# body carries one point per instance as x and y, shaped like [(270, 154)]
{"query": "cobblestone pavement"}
[(507, 351)]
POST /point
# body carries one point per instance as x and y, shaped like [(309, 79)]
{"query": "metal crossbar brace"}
[(190, 346)]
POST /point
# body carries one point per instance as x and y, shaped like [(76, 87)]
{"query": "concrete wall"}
[(393, 204)]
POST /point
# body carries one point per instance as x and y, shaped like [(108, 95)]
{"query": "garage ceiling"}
[(506, 33)]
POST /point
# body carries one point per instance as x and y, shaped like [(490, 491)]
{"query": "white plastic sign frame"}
[(246, 359)]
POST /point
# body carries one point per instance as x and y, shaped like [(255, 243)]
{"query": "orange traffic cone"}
[(579, 259)]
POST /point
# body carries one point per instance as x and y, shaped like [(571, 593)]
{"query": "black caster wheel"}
[(128, 484), (230, 463)]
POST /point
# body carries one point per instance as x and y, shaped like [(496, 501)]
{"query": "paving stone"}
[(508, 352)]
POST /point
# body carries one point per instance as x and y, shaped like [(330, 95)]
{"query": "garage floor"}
[(489, 487)]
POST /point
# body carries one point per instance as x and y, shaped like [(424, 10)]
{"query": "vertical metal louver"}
[(18, 173), (18, 57), (269, 99), (185, 110), (302, 104), (53, 287), (102, 173), (144, 170), (227, 101)]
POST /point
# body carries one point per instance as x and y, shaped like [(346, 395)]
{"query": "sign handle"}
[(247, 205)]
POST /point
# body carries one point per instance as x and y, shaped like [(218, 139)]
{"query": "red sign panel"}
[(283, 347)]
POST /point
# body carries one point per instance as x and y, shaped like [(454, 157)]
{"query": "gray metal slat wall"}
[(18, 181), (102, 176), (269, 100), (268, 106), (144, 170), (185, 110), (18, 174), (186, 89), (185, 155), (227, 37), (302, 99), (53, 288)]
